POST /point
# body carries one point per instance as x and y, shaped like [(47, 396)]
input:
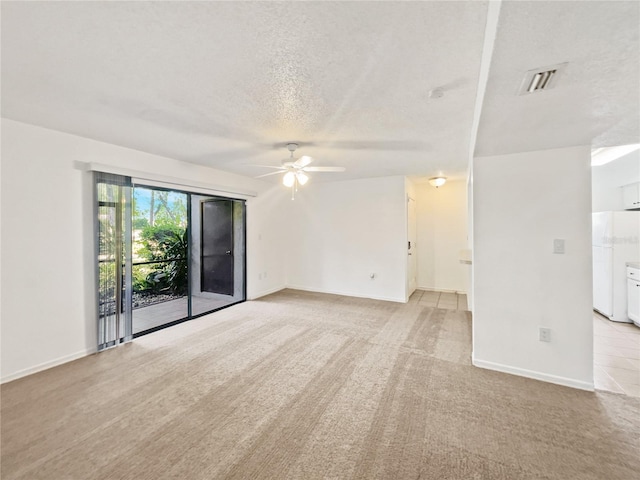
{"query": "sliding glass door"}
[(164, 256), (160, 257)]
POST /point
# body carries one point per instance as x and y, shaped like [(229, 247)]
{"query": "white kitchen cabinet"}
[(631, 196), (633, 291), (633, 295)]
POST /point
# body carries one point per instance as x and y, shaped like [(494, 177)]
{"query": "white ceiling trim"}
[(490, 33)]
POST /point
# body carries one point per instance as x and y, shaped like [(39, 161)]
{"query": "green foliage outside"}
[(160, 233), (162, 242), (156, 207)]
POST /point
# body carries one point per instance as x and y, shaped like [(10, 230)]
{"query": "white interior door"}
[(412, 258)]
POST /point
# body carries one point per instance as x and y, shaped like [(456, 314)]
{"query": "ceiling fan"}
[(295, 170)]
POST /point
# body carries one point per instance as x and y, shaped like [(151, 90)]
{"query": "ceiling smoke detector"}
[(540, 79), (436, 93)]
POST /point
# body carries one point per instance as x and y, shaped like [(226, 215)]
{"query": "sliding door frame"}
[(190, 315), (124, 268)]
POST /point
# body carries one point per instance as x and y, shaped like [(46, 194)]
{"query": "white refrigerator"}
[(615, 242)]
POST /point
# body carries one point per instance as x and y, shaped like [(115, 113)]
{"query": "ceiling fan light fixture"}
[(289, 179), (437, 181), (296, 170), (302, 177)]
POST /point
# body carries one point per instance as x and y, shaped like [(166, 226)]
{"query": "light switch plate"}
[(558, 245), (544, 334)]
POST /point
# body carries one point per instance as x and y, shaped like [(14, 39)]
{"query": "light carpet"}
[(300, 385)]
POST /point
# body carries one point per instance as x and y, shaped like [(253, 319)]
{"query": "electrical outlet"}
[(558, 245), (545, 334)]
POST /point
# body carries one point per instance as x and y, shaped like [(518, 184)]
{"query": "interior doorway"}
[(615, 232)]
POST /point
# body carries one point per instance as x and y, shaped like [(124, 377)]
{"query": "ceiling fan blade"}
[(272, 173), (324, 169), (265, 166), (303, 161), (383, 145)]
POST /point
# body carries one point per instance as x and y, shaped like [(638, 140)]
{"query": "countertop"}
[(633, 264)]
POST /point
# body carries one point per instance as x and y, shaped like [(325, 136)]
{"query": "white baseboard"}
[(264, 293), (446, 290), (347, 294), (47, 365), (545, 377)]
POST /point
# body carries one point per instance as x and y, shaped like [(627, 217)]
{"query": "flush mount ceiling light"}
[(542, 78), (601, 156), (437, 181), (295, 170)]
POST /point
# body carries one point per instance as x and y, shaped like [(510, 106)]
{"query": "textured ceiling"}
[(227, 84), (596, 99), (221, 83)]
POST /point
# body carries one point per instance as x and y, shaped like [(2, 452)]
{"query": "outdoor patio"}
[(151, 316)]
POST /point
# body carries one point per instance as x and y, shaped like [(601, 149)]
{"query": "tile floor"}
[(445, 300), (616, 356)]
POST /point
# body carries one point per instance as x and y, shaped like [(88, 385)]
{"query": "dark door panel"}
[(217, 247), (217, 274)]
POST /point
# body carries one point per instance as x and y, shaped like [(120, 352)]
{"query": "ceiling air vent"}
[(541, 79)]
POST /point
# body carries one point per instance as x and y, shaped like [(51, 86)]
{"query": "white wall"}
[(519, 208), (267, 241), (342, 232), (607, 179), (47, 240), (442, 233)]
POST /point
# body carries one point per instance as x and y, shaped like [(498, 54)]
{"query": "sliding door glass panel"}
[(160, 258), (217, 253), (113, 227)]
